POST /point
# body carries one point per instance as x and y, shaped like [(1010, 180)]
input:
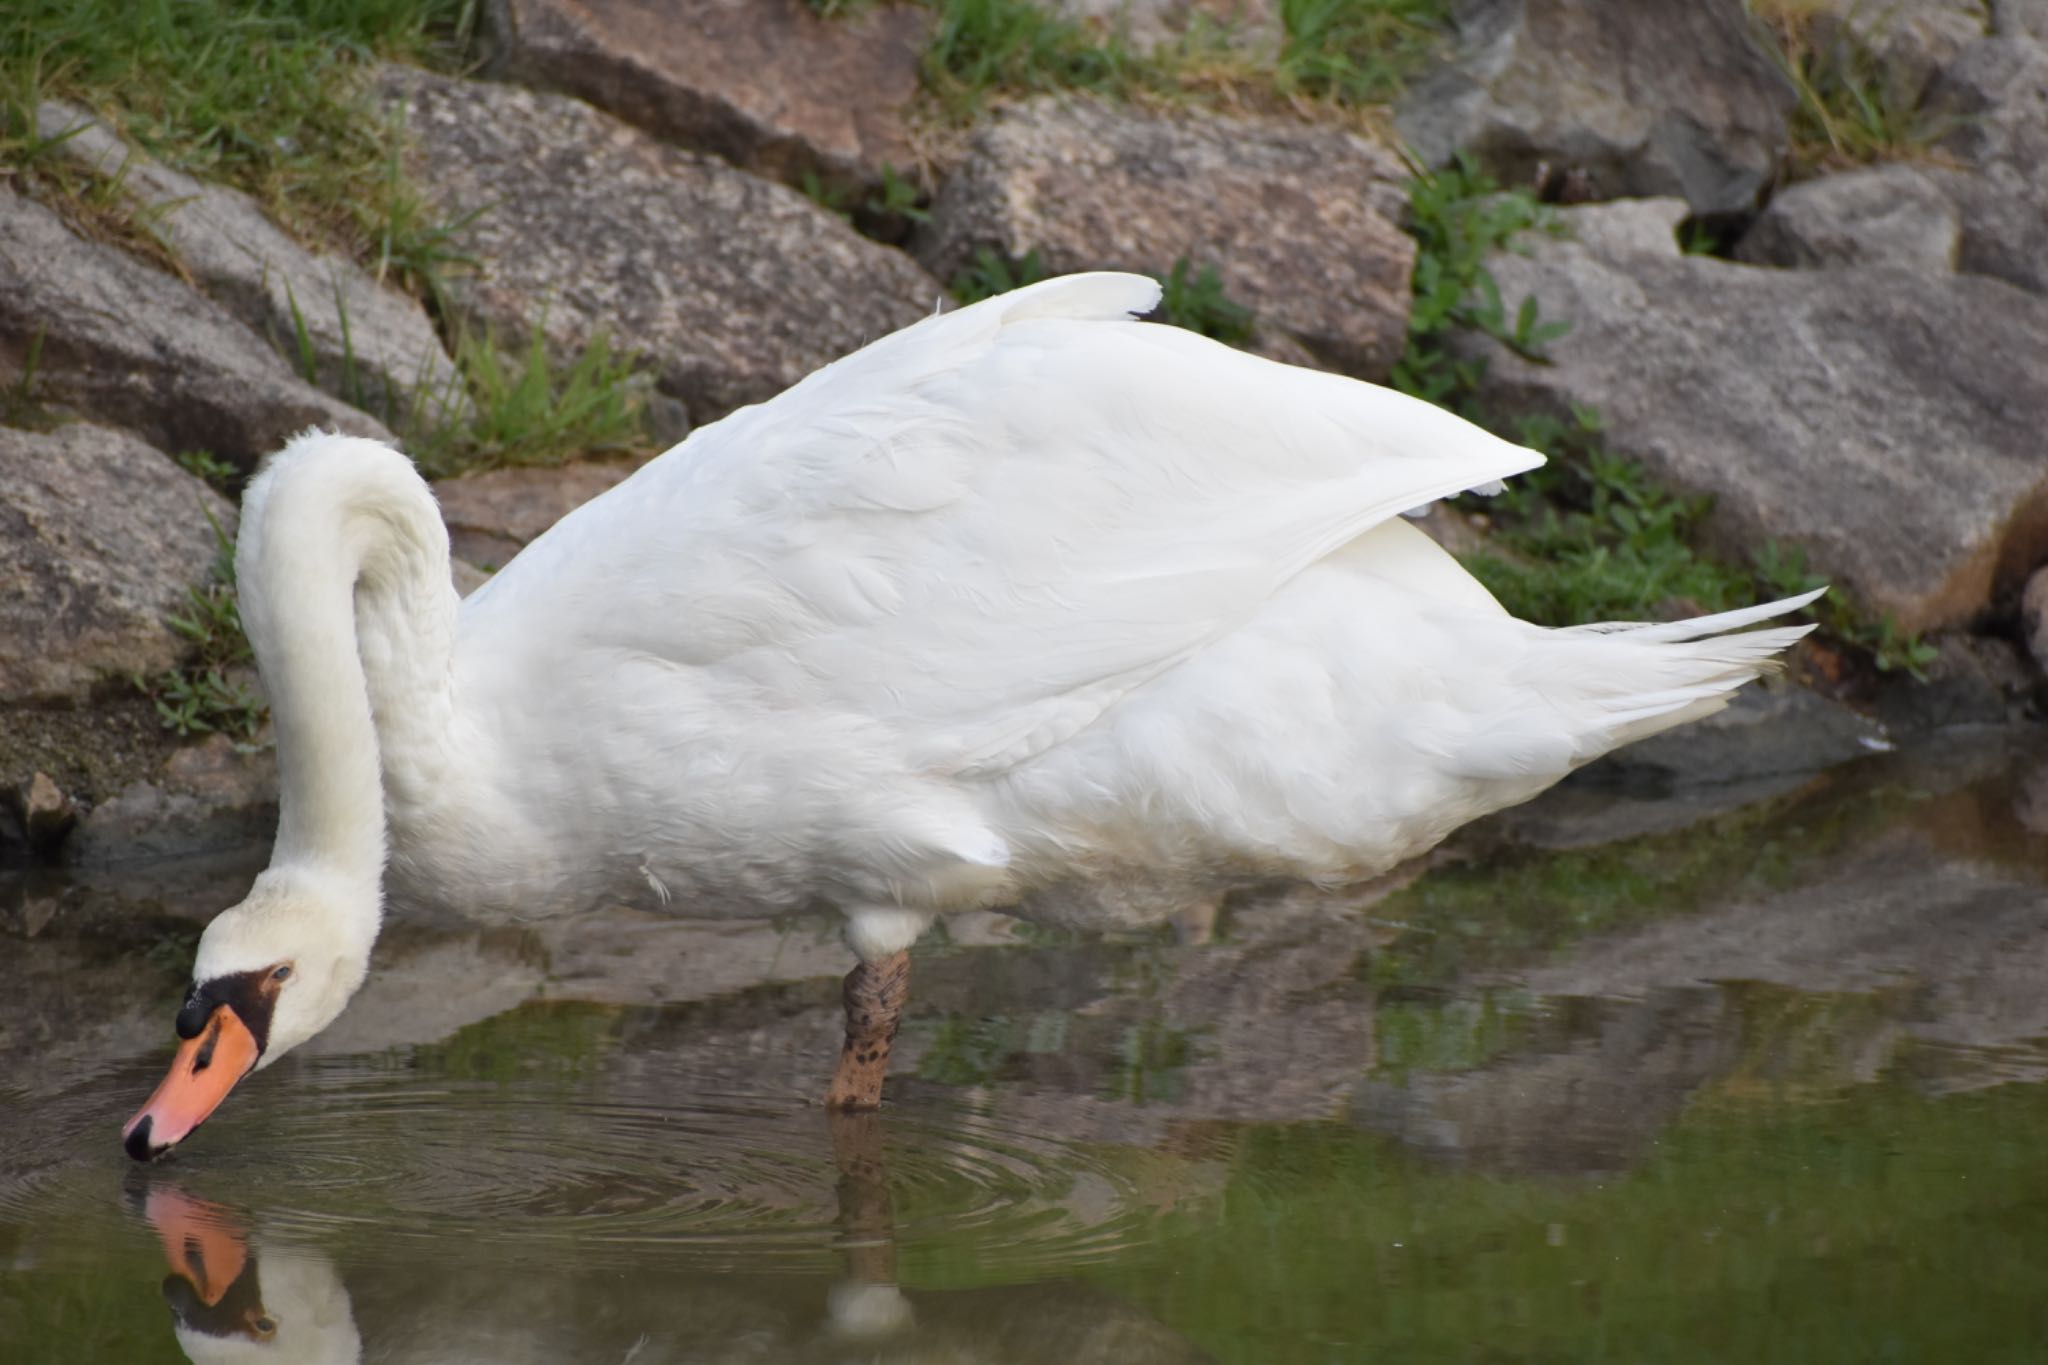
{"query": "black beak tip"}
[(137, 1142)]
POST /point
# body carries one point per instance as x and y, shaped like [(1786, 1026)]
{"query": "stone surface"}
[(1996, 96), (2020, 19), (372, 347), (1148, 25), (46, 812), (728, 287), (122, 343), (769, 85), (1879, 215), (1620, 97), (1301, 224), (99, 537), (493, 515), (1904, 42), (1888, 421)]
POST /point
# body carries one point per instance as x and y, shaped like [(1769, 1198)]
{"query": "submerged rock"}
[(100, 535), (1301, 224), (88, 329), (729, 288), (1619, 97), (370, 346), (1887, 420), (770, 85)]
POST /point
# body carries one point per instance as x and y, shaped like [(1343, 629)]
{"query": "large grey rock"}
[(1996, 96), (1301, 224), (99, 537), (729, 288), (2020, 19), (1878, 215), (1625, 97), (769, 85), (370, 346), (1892, 422), (120, 342)]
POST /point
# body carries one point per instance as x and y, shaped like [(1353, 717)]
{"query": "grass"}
[(1358, 52), (207, 694), (1342, 53), (1848, 113), (528, 408), (261, 95)]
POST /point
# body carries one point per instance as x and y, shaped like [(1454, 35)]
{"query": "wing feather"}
[(985, 529)]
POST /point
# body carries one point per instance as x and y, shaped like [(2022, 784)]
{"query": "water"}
[(1763, 1082)]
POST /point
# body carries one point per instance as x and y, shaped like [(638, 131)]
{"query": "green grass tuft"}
[(1358, 52), (207, 694), (529, 409), (980, 46), (1196, 301)]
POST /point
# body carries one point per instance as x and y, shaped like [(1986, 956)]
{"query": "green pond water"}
[(1663, 1074)]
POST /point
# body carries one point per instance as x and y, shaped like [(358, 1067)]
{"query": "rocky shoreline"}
[(1851, 359)]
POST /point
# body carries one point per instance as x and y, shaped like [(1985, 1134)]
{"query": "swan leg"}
[(875, 993)]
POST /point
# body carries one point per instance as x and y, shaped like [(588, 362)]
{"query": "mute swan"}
[(1028, 604)]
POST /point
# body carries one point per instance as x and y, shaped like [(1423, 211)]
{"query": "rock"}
[(2020, 19), (46, 813), (1147, 26), (1904, 42), (99, 537), (768, 85), (211, 797), (1887, 420), (1996, 97), (493, 515), (1301, 224), (1974, 680), (371, 347), (1879, 215), (730, 288), (1624, 97), (88, 329), (2034, 617)]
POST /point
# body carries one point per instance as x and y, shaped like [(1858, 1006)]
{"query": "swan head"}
[(270, 973)]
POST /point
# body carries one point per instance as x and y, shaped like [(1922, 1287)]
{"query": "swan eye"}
[(282, 973)]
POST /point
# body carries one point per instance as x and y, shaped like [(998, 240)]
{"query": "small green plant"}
[(206, 465), (1195, 300), (204, 695), (1357, 52), (991, 274), (530, 410), (1459, 216), (1781, 571), (829, 195)]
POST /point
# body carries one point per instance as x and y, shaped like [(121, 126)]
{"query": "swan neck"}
[(342, 569)]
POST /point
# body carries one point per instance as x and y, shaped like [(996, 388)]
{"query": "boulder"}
[(1887, 420), (493, 515), (1301, 224), (1615, 97), (88, 329), (728, 287), (370, 346), (1877, 215), (769, 85), (99, 537), (1995, 96), (2020, 19)]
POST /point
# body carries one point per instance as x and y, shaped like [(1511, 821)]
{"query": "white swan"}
[(1028, 604)]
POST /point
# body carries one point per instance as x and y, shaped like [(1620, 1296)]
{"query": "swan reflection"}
[(239, 1294)]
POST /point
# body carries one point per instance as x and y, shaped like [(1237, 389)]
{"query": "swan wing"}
[(983, 530)]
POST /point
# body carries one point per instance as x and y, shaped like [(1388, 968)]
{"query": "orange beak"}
[(205, 1069), (202, 1241)]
